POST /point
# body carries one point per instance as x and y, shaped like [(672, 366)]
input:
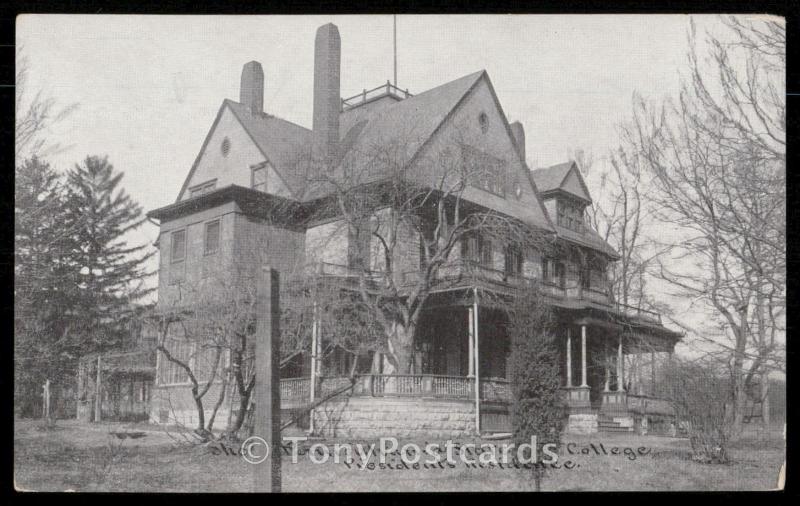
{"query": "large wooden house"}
[(248, 164)]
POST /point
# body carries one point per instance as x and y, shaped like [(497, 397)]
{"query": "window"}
[(212, 237), (513, 261), (225, 146), (259, 178), (586, 277), (485, 171), (553, 272), (169, 372), (178, 253), (560, 278), (483, 121), (202, 188), (476, 248), (569, 215), (358, 247)]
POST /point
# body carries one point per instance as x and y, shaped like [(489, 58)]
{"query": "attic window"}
[(259, 178), (483, 121), (225, 147), (569, 215)]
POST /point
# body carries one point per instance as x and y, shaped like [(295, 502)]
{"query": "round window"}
[(225, 147), (483, 121)]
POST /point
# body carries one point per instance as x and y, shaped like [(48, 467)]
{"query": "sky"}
[(147, 88)]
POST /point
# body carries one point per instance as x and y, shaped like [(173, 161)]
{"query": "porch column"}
[(471, 341), (477, 362), (652, 373), (569, 359), (583, 356), (313, 380), (606, 367), (620, 368)]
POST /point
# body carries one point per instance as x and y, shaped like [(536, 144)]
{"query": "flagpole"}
[(394, 22)]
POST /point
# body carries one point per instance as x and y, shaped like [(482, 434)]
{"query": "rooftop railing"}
[(368, 95)]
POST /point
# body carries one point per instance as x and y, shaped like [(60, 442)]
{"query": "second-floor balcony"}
[(462, 273)]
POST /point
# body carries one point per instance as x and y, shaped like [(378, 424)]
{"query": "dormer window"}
[(259, 178), (570, 215), (485, 171)]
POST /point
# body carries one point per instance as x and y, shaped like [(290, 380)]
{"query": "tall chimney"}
[(327, 97), (518, 132), (251, 89)]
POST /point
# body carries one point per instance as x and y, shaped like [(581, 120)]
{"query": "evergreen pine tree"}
[(111, 271), (537, 405), (44, 284)]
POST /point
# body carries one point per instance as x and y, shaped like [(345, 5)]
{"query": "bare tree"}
[(405, 222), (717, 161), (35, 114)]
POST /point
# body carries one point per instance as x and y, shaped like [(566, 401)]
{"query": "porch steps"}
[(607, 424)]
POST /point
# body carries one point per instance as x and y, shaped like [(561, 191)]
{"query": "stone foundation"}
[(370, 417), (585, 423)]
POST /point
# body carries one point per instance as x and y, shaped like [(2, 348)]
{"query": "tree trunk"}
[(765, 401), (403, 349)]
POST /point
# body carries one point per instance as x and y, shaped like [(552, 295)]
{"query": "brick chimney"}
[(518, 131), (251, 89), (327, 97)]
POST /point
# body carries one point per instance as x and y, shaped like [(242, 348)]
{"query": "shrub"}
[(537, 406)]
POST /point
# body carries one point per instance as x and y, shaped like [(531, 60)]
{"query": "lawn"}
[(85, 457)]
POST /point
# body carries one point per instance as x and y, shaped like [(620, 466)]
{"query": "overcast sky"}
[(149, 87)]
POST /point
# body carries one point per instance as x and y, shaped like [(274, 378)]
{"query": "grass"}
[(84, 457)]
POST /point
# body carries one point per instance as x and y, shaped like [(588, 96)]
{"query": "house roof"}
[(551, 178), (280, 141), (555, 177)]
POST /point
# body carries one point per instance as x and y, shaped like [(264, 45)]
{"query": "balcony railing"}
[(457, 271), (637, 312)]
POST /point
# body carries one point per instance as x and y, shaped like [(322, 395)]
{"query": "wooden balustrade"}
[(295, 388)]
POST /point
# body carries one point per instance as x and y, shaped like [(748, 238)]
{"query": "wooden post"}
[(471, 341), (314, 349), (267, 474), (620, 368), (477, 363), (652, 373), (583, 356), (606, 367), (46, 400), (98, 397), (569, 359)]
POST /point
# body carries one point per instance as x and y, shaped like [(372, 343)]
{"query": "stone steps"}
[(607, 424)]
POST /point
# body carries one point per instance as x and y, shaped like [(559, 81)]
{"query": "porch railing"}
[(407, 385), (295, 388)]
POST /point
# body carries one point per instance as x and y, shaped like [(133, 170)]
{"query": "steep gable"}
[(564, 177), (478, 121), (573, 183), (238, 141)]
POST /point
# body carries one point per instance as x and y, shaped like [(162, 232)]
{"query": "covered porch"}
[(613, 368)]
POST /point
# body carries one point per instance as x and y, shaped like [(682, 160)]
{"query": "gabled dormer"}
[(564, 194)]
